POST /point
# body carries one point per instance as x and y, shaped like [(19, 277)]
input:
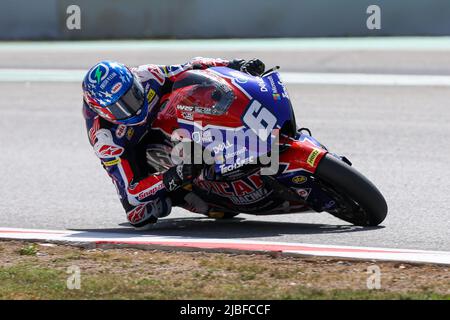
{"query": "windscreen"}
[(209, 94)]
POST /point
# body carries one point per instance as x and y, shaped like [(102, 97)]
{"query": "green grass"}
[(32, 271), (27, 282), (29, 250)]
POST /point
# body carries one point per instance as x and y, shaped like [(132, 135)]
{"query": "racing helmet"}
[(115, 93)]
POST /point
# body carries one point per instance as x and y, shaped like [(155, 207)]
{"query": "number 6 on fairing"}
[(260, 120)]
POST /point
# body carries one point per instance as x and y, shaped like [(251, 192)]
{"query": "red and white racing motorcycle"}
[(223, 102)]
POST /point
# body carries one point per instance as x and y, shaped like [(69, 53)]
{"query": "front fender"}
[(302, 154)]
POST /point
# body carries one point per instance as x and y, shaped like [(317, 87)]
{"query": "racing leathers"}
[(146, 193)]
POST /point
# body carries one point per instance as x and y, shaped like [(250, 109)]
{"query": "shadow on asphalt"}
[(203, 227)]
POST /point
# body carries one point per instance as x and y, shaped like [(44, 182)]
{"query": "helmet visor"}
[(130, 103)]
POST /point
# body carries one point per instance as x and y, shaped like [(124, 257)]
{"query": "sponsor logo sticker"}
[(304, 193), (151, 191), (116, 88), (99, 74), (151, 95), (120, 131), (224, 168), (262, 85), (239, 77), (313, 157), (187, 115), (299, 179), (130, 133), (185, 108), (111, 163)]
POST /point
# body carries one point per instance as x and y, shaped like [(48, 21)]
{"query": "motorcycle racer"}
[(119, 105)]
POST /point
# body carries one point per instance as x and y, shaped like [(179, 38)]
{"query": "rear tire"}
[(369, 208)]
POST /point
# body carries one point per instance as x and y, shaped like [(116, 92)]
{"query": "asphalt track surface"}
[(398, 136)]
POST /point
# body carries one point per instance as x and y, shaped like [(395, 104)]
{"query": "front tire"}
[(365, 205)]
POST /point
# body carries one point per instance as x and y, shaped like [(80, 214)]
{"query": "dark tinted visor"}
[(130, 103)]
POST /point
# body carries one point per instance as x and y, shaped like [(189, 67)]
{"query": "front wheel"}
[(360, 202)]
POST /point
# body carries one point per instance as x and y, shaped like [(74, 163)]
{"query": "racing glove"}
[(254, 67), (180, 176)]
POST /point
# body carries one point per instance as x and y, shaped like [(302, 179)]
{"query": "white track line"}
[(361, 79), (350, 79), (223, 45), (108, 239)]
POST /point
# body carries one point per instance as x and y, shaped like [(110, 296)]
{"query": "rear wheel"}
[(359, 201)]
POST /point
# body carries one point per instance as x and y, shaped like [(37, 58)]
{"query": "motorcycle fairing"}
[(232, 115), (239, 93), (304, 153), (269, 91)]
